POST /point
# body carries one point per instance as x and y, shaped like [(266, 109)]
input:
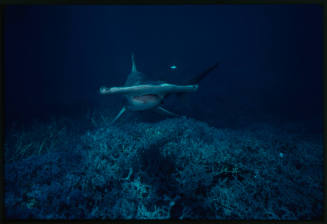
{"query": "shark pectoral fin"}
[(163, 111), (119, 114)]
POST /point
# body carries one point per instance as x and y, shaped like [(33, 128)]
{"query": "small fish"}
[(173, 67)]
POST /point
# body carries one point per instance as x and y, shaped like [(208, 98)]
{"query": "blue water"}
[(264, 100)]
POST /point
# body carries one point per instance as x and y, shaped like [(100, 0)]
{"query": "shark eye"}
[(103, 89)]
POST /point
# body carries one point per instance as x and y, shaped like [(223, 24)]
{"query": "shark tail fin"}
[(133, 63), (196, 79)]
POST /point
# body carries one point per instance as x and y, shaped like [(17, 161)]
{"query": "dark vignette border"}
[(2, 112), (3, 4)]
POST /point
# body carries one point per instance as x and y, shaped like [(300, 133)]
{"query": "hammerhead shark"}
[(143, 95)]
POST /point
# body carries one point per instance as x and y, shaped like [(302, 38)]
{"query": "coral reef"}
[(174, 169)]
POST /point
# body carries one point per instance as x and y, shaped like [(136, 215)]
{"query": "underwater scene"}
[(163, 112)]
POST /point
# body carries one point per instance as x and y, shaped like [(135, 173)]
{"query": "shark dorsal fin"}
[(133, 64)]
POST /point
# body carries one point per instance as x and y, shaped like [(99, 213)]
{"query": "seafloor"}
[(178, 168)]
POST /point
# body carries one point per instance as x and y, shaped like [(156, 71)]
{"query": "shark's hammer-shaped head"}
[(143, 96), (147, 96)]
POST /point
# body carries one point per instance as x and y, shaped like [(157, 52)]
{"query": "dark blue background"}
[(57, 57)]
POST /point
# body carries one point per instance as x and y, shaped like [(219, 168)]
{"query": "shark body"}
[(145, 95)]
